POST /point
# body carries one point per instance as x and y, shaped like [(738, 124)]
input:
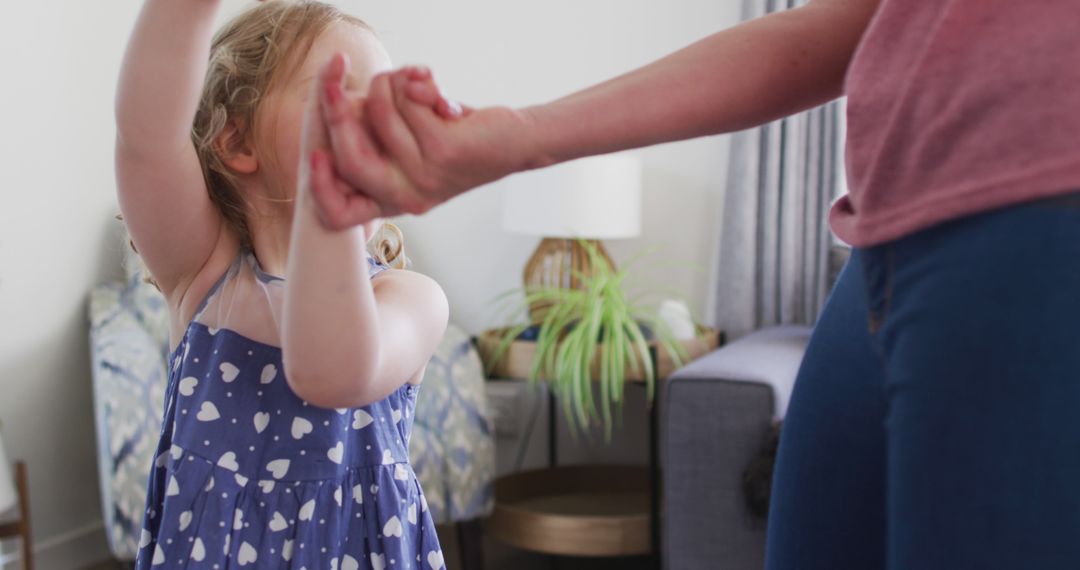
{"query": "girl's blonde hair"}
[(248, 56)]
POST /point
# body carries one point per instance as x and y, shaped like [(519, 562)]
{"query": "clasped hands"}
[(402, 148)]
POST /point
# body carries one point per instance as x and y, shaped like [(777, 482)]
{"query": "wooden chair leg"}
[(470, 542), (22, 483)]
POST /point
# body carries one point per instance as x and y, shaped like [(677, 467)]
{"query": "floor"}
[(497, 556)]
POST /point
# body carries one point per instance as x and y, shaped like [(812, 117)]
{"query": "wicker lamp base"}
[(554, 264)]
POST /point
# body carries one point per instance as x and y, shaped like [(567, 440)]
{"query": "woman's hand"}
[(331, 197), (411, 149)]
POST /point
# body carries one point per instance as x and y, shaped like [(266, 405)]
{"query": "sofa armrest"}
[(713, 429), (717, 415)]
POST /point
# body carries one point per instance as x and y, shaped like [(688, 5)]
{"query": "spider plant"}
[(579, 326)]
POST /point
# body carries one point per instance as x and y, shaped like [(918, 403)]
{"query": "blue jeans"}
[(935, 423)]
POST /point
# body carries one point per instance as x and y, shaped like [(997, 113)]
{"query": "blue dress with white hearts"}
[(248, 475)]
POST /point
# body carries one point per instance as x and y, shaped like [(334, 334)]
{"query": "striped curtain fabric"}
[(773, 257)]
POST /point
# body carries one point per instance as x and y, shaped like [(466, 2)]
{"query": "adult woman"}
[(932, 423)]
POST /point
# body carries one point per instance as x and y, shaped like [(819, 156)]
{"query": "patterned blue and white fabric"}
[(453, 445), (128, 338), (248, 474), (129, 324)]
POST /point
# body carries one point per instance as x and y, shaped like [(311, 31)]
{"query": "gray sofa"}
[(717, 415)]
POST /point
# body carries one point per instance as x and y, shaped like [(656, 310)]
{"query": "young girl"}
[(289, 407)]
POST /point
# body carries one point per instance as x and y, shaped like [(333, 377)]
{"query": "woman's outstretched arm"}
[(738, 78), (404, 156)]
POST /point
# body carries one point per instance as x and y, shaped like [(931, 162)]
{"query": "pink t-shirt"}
[(957, 107)]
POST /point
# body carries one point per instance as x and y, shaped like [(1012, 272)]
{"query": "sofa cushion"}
[(771, 356), (452, 448), (128, 370)]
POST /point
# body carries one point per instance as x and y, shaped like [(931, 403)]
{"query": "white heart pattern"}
[(144, 538), (349, 563), (228, 461), (198, 551), (262, 419), (361, 419), (187, 385), (176, 451), (159, 556), (278, 468), (307, 510), (358, 494), (238, 520), (387, 457), (300, 427), (229, 372), (396, 415), (174, 488), (278, 523), (266, 485), (336, 453), (378, 561), (208, 412), (392, 527), (241, 480), (162, 459), (209, 485), (435, 559), (269, 372), (401, 473), (286, 550), (337, 496), (247, 554), (185, 520)]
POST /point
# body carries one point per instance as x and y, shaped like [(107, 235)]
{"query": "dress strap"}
[(217, 286), (375, 267)]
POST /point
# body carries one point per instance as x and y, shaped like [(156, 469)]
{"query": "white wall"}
[(487, 52), (59, 63), (60, 60)]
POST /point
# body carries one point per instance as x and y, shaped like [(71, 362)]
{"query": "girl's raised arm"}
[(349, 340), (160, 183)]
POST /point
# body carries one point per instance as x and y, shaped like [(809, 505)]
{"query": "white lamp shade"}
[(593, 198), (8, 498)]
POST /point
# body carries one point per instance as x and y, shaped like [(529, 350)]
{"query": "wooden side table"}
[(21, 527), (588, 510)]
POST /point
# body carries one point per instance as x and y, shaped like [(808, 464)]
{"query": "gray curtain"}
[(772, 259)]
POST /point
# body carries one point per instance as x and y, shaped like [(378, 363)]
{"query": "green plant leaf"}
[(598, 319)]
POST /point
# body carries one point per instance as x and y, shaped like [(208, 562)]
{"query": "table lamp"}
[(14, 492), (592, 199)]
